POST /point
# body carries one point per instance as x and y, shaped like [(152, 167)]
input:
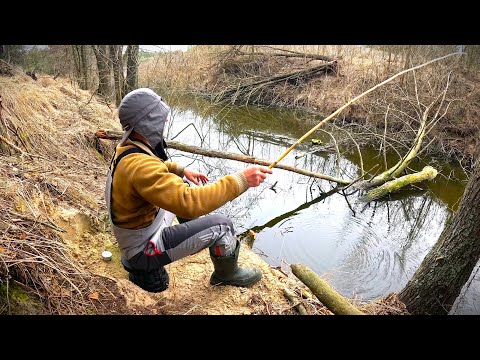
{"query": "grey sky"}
[(157, 48), (154, 48)]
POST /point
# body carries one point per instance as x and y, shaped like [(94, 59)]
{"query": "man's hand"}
[(256, 174), (195, 177)]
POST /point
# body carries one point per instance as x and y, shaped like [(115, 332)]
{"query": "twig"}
[(14, 147), (54, 227), (297, 303), (337, 150), (362, 171), (348, 203), (384, 139), (190, 309)]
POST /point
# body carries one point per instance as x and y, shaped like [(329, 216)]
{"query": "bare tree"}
[(81, 65), (104, 71), (116, 61), (132, 68)]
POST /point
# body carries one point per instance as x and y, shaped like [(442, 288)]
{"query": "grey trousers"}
[(215, 232)]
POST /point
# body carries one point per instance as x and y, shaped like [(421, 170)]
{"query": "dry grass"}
[(51, 124), (389, 305)]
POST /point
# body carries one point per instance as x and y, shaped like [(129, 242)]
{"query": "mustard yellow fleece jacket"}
[(143, 183)]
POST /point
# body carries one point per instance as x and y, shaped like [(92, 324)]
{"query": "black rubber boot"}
[(227, 271), (154, 281)]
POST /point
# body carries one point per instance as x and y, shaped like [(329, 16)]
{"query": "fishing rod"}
[(340, 109)]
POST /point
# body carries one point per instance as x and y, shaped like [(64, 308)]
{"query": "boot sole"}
[(216, 281)]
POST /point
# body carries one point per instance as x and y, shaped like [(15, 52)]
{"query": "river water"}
[(364, 250)]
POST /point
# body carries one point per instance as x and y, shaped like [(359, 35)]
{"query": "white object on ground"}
[(107, 255)]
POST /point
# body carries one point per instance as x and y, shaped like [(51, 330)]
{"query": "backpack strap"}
[(125, 153)]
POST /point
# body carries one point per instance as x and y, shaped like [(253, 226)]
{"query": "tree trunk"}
[(81, 65), (84, 66), (439, 279), (116, 61), (104, 77), (132, 68)]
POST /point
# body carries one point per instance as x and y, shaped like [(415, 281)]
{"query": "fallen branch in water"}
[(327, 295), (117, 135), (428, 173)]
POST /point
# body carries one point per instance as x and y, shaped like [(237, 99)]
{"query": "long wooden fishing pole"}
[(340, 109)]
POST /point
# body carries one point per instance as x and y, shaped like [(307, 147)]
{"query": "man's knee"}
[(218, 219)]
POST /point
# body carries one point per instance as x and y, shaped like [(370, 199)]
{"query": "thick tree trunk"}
[(84, 66), (439, 279), (117, 67), (327, 295), (132, 68), (104, 76), (80, 59), (117, 135)]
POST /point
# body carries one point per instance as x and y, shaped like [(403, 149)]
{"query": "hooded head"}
[(145, 112)]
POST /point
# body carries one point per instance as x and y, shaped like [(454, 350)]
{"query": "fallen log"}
[(240, 89), (318, 57), (291, 55), (327, 295), (290, 295), (117, 135), (428, 173)]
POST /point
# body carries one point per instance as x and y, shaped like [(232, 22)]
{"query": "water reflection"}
[(364, 250)]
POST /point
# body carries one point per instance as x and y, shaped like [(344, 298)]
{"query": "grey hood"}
[(145, 112)]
